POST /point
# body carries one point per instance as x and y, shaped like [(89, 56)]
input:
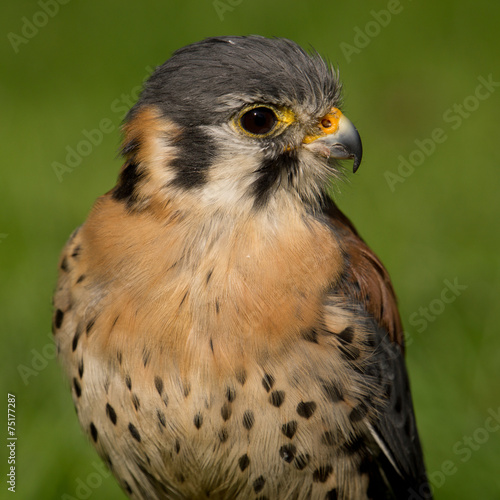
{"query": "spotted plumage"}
[(227, 332)]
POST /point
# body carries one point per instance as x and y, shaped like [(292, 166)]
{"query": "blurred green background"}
[(421, 86)]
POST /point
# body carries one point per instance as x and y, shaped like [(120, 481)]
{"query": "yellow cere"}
[(329, 124)]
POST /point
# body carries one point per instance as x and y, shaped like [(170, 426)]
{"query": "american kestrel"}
[(226, 331)]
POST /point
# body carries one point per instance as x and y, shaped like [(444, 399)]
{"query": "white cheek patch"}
[(233, 170), (230, 181)]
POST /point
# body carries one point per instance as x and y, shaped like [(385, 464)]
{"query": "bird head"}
[(245, 122)]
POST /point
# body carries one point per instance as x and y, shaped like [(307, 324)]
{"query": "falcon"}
[(226, 331)]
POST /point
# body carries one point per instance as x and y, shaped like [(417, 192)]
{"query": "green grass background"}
[(440, 224)]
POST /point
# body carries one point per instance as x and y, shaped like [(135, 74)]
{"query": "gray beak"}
[(344, 143)]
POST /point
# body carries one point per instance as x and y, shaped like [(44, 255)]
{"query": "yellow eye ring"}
[(263, 120)]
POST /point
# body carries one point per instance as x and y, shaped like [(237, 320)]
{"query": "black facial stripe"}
[(196, 151), (270, 174)]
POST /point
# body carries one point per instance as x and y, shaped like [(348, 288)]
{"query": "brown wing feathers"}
[(366, 280)]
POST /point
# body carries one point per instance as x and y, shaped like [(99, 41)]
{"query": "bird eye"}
[(259, 121)]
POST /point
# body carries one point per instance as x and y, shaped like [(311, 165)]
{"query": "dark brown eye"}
[(258, 121)]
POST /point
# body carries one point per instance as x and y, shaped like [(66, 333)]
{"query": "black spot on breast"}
[(165, 400), (346, 335), (198, 420), (276, 398), (128, 382), (177, 446), (243, 462), (135, 401), (289, 429), (161, 417), (310, 336), (119, 357), (80, 278), (287, 452), (134, 432), (354, 445), (76, 337), (301, 461), (306, 409), (159, 385), (58, 318), (241, 376), (128, 489), (248, 419), (76, 251), (267, 382), (332, 392), (320, 475), (110, 412), (186, 389), (77, 387), (358, 412), (211, 343), (64, 264), (180, 478), (350, 353), (80, 368), (226, 411), (328, 438), (230, 394), (258, 484), (332, 494), (223, 435), (93, 432)]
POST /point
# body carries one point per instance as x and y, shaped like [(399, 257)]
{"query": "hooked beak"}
[(337, 138)]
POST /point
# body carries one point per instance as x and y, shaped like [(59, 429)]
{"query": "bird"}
[(226, 332)]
